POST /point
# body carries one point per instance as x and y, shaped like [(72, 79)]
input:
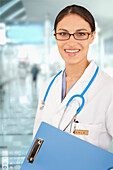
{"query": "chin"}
[(72, 60), (71, 63)]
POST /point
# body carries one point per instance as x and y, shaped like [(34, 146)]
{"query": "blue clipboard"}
[(53, 149)]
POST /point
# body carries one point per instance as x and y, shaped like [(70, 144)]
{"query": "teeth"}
[(72, 51)]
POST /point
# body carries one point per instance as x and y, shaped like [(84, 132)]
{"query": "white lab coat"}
[(96, 115)]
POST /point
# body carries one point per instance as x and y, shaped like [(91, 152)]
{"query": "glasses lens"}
[(62, 36), (81, 35)]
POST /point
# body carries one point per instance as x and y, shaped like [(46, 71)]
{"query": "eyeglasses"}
[(62, 36)]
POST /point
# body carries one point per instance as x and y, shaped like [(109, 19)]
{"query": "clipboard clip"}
[(34, 150)]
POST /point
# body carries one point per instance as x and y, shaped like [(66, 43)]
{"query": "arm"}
[(39, 114), (109, 118)]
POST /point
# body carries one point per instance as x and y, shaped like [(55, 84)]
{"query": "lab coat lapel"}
[(73, 106), (78, 88), (60, 106)]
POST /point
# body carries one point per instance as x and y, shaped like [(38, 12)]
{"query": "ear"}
[(92, 37)]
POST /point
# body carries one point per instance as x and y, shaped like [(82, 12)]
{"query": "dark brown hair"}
[(76, 9)]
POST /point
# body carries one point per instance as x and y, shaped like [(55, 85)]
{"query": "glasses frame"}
[(73, 36)]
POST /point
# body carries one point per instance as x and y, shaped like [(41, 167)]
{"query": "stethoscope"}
[(69, 101)]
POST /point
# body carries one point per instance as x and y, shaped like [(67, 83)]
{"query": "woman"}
[(78, 100)]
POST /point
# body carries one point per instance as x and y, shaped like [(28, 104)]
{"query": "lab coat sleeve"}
[(39, 113), (109, 117), (38, 117)]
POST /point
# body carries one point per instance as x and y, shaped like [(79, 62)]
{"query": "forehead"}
[(73, 22)]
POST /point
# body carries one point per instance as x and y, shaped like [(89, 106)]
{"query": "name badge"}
[(81, 132)]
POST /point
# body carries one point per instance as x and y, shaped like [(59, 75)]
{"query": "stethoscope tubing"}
[(82, 94), (48, 89), (74, 96), (91, 81)]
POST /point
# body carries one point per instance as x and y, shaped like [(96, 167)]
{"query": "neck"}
[(75, 71)]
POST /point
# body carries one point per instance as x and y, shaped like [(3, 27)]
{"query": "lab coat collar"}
[(89, 72)]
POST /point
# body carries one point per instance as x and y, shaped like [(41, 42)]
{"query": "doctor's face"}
[(74, 51)]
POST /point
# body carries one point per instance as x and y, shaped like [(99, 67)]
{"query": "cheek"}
[(86, 45), (60, 46)]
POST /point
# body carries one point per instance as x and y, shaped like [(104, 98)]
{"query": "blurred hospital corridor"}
[(18, 104), (28, 47), (18, 101)]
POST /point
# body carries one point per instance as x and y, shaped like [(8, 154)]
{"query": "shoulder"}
[(102, 75), (105, 82), (46, 83), (51, 80), (106, 79)]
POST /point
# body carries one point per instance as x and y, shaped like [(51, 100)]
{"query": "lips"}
[(72, 51)]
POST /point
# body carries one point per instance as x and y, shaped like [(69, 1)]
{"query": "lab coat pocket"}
[(87, 132)]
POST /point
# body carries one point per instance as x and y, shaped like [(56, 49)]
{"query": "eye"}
[(63, 34), (81, 33)]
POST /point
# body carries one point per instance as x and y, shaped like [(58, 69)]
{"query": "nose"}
[(72, 39), (72, 35)]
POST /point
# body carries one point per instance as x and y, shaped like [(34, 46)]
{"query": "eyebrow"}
[(61, 29), (82, 29)]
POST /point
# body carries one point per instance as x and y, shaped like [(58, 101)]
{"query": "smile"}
[(72, 51)]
